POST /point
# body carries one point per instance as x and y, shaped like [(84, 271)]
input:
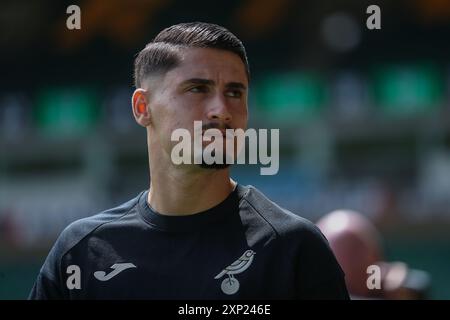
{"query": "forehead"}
[(208, 63)]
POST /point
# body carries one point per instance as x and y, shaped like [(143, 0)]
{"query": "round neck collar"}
[(190, 222)]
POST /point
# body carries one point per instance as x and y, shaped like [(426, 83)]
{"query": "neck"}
[(178, 190)]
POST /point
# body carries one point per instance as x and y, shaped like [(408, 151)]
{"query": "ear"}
[(141, 110)]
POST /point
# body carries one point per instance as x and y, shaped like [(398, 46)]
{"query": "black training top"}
[(246, 247)]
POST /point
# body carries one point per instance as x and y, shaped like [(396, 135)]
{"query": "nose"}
[(218, 110)]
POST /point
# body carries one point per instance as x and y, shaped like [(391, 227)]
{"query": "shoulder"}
[(302, 244), (284, 222), (296, 236), (80, 229)]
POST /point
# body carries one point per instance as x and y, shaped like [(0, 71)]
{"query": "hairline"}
[(180, 48)]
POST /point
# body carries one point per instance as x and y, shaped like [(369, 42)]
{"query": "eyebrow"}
[(236, 85), (229, 85)]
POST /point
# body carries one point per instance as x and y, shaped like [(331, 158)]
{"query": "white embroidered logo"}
[(230, 285), (118, 268)]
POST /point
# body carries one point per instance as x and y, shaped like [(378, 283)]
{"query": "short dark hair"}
[(162, 53)]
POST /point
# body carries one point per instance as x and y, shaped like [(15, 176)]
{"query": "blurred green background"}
[(364, 117)]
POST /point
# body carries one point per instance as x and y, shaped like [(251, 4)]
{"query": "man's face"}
[(209, 85)]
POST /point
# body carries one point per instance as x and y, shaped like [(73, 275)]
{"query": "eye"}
[(234, 93), (198, 89)]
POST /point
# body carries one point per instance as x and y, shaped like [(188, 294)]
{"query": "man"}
[(195, 234)]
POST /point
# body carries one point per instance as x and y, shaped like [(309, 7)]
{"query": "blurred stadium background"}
[(364, 117)]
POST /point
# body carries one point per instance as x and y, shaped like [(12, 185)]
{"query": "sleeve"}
[(45, 289), (320, 277), (49, 283)]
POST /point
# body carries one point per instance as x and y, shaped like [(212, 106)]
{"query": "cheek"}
[(240, 117), (186, 107), (177, 124), (168, 114)]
